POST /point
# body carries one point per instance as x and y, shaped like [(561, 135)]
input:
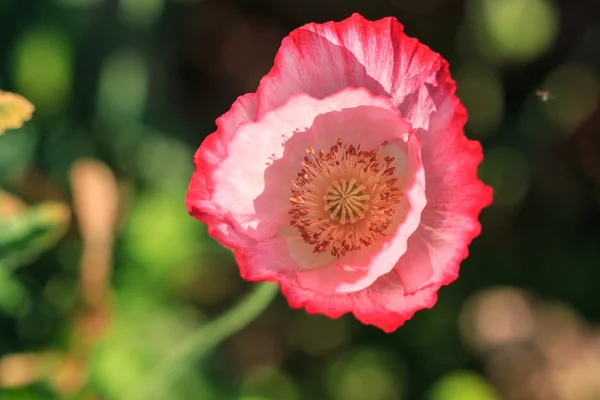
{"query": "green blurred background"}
[(102, 272)]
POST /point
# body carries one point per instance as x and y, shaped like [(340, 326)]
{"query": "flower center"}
[(346, 201), (343, 200)]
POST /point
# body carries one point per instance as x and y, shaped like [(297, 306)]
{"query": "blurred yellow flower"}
[(14, 110)]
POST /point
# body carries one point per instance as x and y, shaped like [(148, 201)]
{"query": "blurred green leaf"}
[(26, 235), (17, 151), (463, 385), (33, 392), (141, 336), (14, 299), (203, 340), (158, 221)]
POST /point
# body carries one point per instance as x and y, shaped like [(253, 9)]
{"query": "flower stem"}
[(203, 340)]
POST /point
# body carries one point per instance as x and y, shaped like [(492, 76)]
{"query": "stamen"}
[(343, 199)]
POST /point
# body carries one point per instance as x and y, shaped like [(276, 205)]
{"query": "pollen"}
[(344, 199)]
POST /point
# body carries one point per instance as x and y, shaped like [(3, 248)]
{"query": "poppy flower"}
[(347, 177)]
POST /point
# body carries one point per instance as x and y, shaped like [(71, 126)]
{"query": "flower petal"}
[(320, 59), (253, 181), (208, 157), (362, 268), (455, 194), (384, 304), (323, 58)]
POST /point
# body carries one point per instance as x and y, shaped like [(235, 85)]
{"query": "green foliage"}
[(26, 235), (138, 84)]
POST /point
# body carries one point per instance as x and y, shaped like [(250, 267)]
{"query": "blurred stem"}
[(203, 340)]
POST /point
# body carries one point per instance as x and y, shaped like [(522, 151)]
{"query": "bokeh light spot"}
[(575, 91), (366, 374), (158, 222), (463, 385), (156, 146), (123, 86), (265, 382), (496, 317), (42, 64), (513, 30), (140, 14)]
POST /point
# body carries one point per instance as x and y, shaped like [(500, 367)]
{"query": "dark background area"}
[(125, 91)]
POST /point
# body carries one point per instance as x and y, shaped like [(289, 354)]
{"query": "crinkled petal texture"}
[(403, 95)]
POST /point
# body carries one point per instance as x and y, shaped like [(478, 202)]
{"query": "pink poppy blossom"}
[(347, 177)]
